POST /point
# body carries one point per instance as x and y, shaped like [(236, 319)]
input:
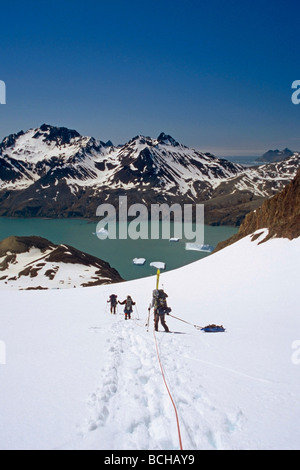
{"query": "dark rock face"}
[(60, 135)]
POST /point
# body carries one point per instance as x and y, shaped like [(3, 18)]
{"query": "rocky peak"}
[(139, 140), (60, 135), (107, 144), (167, 140), (10, 140)]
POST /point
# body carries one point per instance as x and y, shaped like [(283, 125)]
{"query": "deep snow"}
[(77, 377)]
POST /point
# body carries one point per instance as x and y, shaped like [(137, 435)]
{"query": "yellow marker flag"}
[(157, 279)]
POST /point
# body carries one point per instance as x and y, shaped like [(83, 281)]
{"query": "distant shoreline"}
[(244, 160)]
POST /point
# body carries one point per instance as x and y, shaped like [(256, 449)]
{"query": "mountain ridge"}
[(55, 172)]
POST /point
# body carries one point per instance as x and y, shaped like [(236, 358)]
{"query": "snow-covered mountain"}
[(280, 215), (234, 198), (33, 263), (272, 156), (83, 161), (56, 172)]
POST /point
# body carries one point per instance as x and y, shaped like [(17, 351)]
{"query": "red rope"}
[(173, 403)]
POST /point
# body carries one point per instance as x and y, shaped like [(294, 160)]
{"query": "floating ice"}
[(139, 261), (158, 264), (198, 247), (102, 234)]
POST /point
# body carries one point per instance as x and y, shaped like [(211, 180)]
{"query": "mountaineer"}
[(128, 302), (113, 301), (161, 309)]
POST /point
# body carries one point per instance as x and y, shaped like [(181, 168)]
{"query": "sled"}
[(213, 329)]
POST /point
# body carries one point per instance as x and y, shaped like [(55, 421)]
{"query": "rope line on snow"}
[(184, 321), (168, 390), (137, 312), (135, 320)]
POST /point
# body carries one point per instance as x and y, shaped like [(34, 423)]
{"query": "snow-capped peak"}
[(59, 165), (167, 140), (60, 135), (42, 144)]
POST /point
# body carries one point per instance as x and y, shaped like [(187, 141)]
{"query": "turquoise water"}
[(119, 253)]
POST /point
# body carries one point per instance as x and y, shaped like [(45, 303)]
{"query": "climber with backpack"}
[(113, 301), (160, 306), (128, 302)]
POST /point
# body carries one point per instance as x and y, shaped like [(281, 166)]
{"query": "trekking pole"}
[(148, 320)]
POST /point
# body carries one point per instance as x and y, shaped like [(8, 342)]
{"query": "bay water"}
[(81, 234)]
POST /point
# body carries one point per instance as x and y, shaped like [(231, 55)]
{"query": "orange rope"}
[(173, 403)]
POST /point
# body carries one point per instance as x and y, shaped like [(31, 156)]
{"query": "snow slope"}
[(79, 378)]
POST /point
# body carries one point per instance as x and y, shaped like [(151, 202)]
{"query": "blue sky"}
[(216, 75)]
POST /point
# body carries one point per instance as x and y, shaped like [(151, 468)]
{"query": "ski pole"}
[(148, 320)]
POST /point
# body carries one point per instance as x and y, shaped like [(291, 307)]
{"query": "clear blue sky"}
[(216, 75)]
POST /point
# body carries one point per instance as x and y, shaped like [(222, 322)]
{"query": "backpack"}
[(129, 304), (161, 301), (113, 299)]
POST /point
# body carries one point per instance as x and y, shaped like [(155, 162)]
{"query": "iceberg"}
[(158, 264), (198, 247), (139, 261), (102, 234)]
